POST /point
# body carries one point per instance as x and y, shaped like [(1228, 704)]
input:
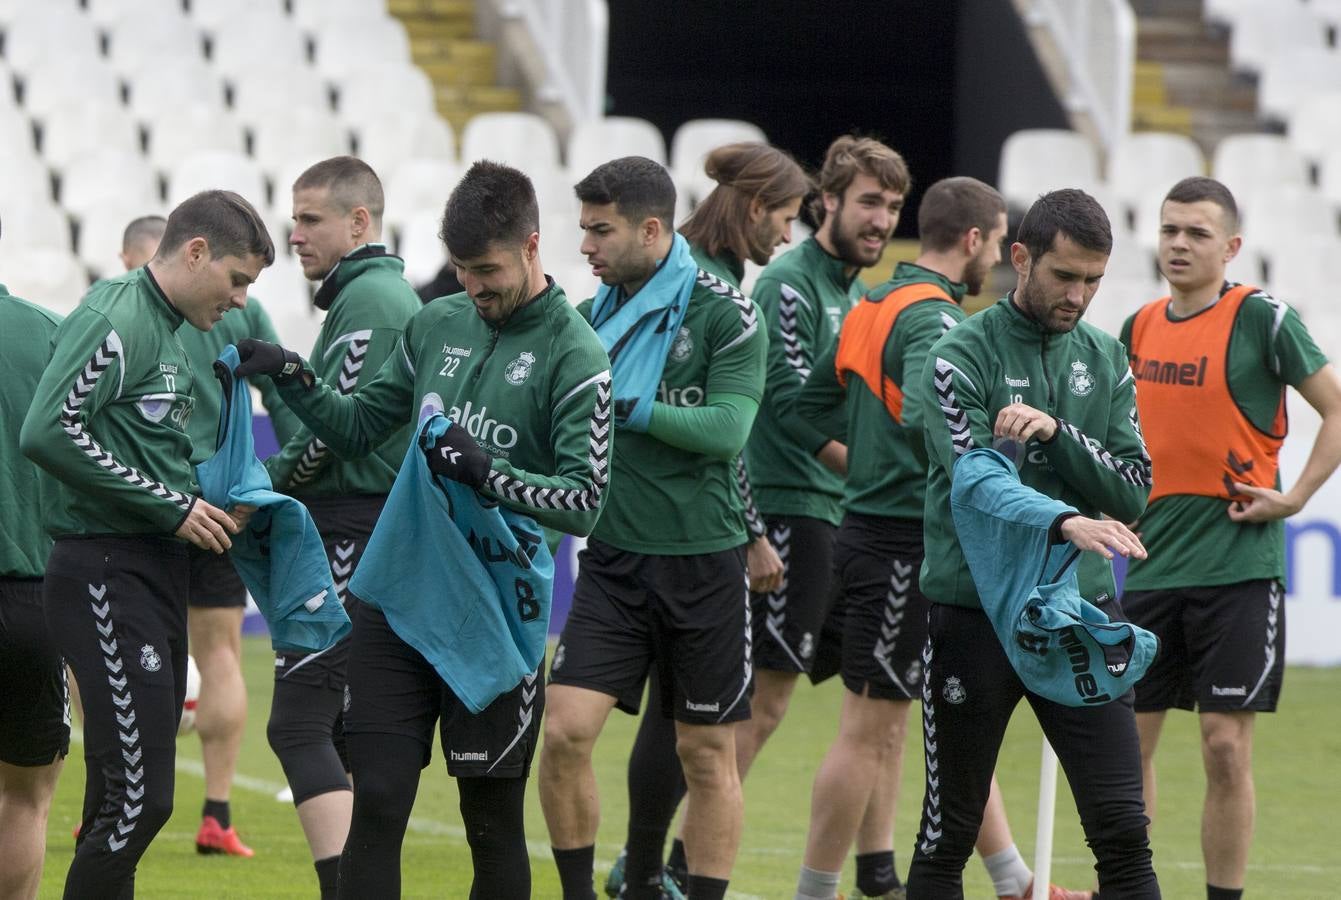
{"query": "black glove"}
[(265, 358), (455, 455)]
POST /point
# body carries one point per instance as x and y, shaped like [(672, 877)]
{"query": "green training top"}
[(110, 414), (725, 265), (886, 458), (203, 348), (1191, 539), (372, 304), (1096, 461), (535, 395), (673, 502), (804, 295), (24, 544)]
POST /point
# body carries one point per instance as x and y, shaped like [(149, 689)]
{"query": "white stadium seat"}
[(194, 87), (34, 222), (1264, 32), (383, 88), (419, 246), (385, 143), (691, 144), (285, 291), (106, 175), (313, 15), (1329, 177), (1250, 162), (1315, 125), (83, 127), (192, 130), (418, 185), (47, 276), (136, 39), (214, 14), (1293, 77), (101, 226), (57, 81), (1302, 271), (301, 132), (372, 40), (276, 88), (216, 169), (1038, 160), (595, 141), (1151, 158), (49, 29), (519, 139), (239, 44), (108, 13)]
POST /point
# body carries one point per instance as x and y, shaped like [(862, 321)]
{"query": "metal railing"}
[(1097, 42), (572, 36)]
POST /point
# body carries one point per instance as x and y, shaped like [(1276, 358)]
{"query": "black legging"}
[(388, 769), (969, 693), (656, 787)]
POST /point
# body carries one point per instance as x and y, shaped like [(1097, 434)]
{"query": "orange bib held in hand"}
[(866, 330), (1200, 441)]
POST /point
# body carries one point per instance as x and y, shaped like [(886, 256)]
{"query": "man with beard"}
[(1027, 371), (662, 580), (861, 394), (527, 386), (746, 217)]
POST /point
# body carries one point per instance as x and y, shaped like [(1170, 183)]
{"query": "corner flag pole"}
[(1047, 810)]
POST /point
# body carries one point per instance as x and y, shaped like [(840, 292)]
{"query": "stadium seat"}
[(108, 13), (1293, 77), (595, 141), (386, 143), (46, 30), (106, 175), (691, 143), (194, 87), (1263, 33), (1315, 125), (82, 127), (287, 296), (213, 14), (298, 133), (1151, 158), (1249, 162), (59, 80), (1226, 12), (1038, 160), (24, 181), (1329, 177), (383, 88), (519, 139), (418, 185), (241, 43), (216, 169), (574, 277), (1301, 270), (136, 39), (100, 228), (276, 88), (175, 135), (1285, 212), (46, 276), (554, 192), (379, 39), (312, 15), (35, 222), (419, 246)]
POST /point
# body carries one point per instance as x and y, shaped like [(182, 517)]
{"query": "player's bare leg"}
[(25, 800), (1227, 818), (716, 808), (1149, 725)]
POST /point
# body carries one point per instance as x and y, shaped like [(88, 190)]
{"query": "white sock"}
[(815, 885), (1010, 876)]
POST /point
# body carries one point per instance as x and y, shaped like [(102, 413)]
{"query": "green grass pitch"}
[(1294, 854)]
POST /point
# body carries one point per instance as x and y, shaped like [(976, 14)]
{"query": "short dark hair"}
[(145, 228), (639, 187), (229, 224), (1198, 188), (351, 181), (491, 204), (952, 206), (1070, 212)]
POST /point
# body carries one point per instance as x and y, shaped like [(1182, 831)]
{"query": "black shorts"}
[(884, 615), (393, 689), (34, 705), (788, 622), (687, 615), (214, 581), (1221, 649), (345, 524)]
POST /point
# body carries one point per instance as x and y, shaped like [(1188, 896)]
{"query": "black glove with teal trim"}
[(265, 358)]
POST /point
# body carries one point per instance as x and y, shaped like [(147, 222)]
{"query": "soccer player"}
[(109, 422), (863, 391), (745, 217), (662, 580), (528, 386), (218, 598), (1028, 370), (337, 215), (1219, 354), (34, 715)]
